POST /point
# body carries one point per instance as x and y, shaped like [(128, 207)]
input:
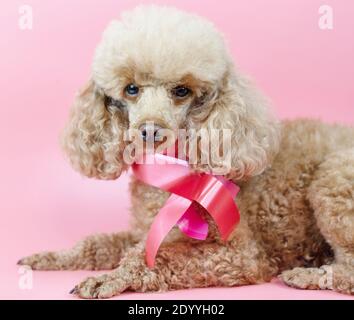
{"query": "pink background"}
[(44, 204)]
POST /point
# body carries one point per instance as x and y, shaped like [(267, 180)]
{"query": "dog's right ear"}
[(93, 137)]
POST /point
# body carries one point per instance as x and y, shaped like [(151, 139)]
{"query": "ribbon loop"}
[(214, 193)]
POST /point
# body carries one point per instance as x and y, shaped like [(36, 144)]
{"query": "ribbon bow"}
[(214, 193)]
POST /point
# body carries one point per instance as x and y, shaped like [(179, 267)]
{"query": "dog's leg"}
[(183, 265), (332, 197), (96, 252)]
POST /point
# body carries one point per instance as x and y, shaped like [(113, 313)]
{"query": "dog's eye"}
[(131, 89), (181, 91)]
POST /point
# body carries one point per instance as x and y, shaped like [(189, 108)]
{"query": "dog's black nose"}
[(151, 132)]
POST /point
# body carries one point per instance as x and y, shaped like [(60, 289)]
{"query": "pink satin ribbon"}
[(214, 193)]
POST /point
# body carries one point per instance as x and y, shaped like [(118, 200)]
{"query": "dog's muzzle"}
[(151, 132)]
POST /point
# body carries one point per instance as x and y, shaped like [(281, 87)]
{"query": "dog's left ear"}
[(255, 134)]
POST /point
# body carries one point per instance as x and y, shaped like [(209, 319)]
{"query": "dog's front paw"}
[(101, 287), (41, 261)]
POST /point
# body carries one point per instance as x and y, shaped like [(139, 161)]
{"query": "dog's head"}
[(171, 68)]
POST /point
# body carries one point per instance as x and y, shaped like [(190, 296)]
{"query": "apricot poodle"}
[(296, 177)]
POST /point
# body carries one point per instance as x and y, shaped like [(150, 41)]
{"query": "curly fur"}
[(296, 177)]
